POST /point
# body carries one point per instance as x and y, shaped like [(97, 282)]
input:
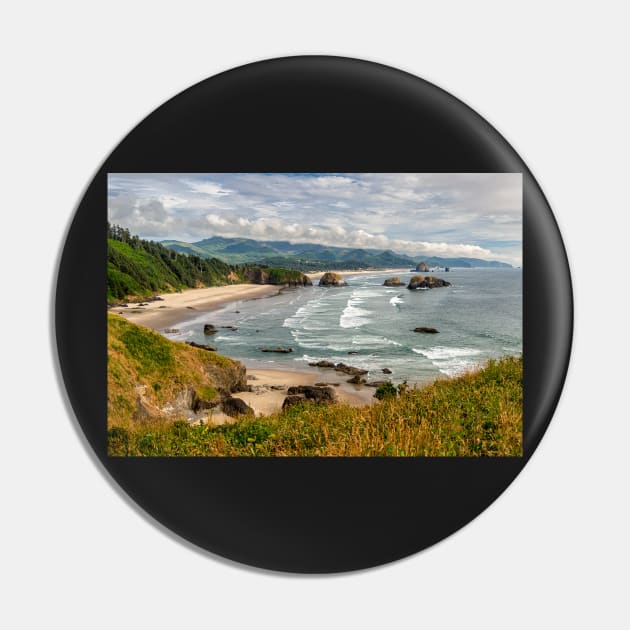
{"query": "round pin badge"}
[(313, 314)]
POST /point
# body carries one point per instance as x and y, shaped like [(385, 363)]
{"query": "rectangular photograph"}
[(314, 314)]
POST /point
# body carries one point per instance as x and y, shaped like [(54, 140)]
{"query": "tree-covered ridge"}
[(140, 269), (136, 267)]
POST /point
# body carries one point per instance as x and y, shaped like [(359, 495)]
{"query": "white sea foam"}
[(372, 341), (396, 300), (353, 317), (450, 361)]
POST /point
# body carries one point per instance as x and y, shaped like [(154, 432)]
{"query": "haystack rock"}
[(393, 282), (331, 279), (427, 282), (422, 266)]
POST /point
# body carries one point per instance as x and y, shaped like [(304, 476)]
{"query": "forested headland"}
[(138, 269)]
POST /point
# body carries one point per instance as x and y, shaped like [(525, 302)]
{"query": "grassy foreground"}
[(478, 414)]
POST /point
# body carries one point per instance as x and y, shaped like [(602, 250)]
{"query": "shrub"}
[(386, 390)]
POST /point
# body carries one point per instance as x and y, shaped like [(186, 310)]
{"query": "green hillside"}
[(139, 269), (147, 373)]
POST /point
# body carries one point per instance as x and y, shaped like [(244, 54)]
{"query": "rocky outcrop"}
[(426, 282), (349, 369), (179, 381), (393, 282), (323, 364), (210, 329), (386, 371), (229, 376), (280, 350), (276, 276), (422, 266), (425, 329), (331, 279), (321, 395), (356, 380), (236, 407)]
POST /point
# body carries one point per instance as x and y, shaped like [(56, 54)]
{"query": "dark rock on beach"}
[(424, 329), (236, 407), (386, 371), (357, 379), (324, 364), (350, 370), (323, 395), (280, 350), (209, 329)]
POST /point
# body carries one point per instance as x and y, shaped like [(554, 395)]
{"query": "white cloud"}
[(477, 215)]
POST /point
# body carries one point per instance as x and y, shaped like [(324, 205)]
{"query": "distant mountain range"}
[(311, 256)]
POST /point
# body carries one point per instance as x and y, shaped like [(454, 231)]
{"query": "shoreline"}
[(359, 272), (270, 386), (174, 308)]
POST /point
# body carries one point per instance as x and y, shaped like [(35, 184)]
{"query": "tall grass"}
[(478, 414)]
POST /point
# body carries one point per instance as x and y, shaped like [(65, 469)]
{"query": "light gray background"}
[(552, 77)]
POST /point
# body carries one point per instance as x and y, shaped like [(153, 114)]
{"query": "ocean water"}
[(368, 325)]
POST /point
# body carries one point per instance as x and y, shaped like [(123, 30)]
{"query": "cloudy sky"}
[(445, 214)]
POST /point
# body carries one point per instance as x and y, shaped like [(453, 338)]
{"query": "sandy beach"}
[(270, 388), (176, 307)]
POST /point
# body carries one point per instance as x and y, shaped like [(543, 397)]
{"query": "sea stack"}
[(393, 282), (422, 266), (428, 282), (331, 279)]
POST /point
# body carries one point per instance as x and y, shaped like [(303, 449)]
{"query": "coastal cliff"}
[(152, 378)]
